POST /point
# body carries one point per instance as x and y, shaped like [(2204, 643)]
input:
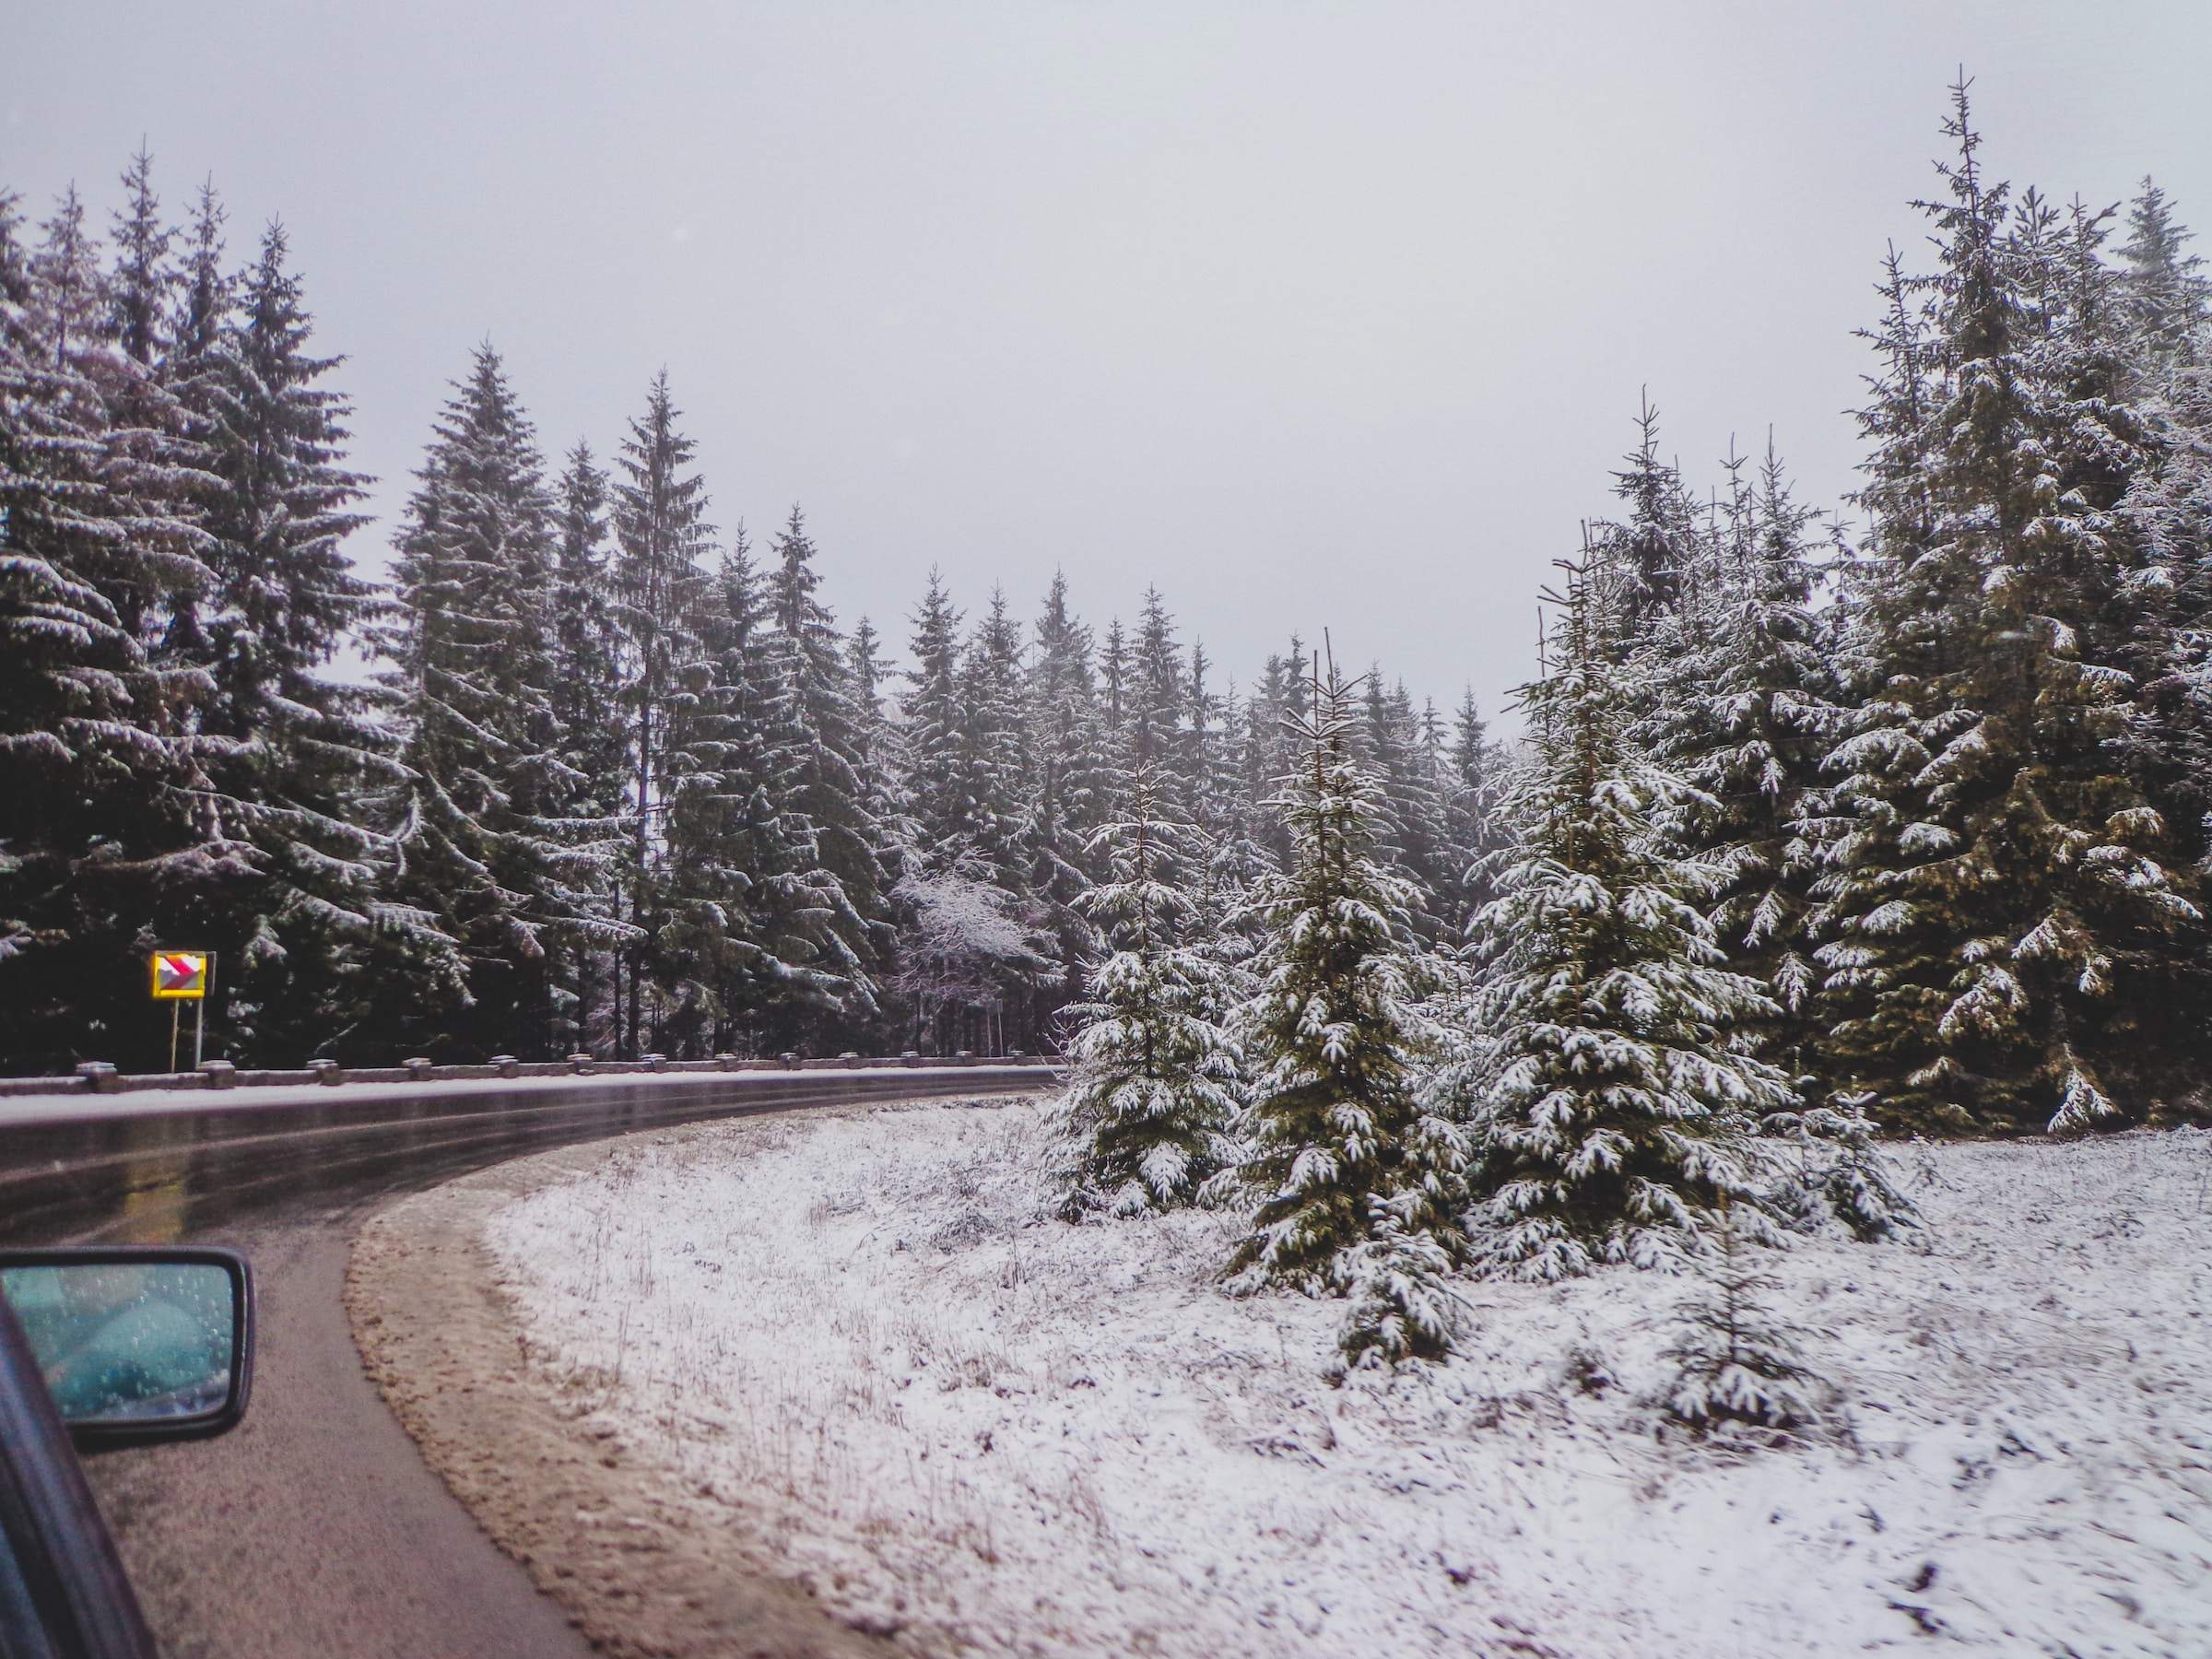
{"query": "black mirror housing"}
[(136, 1343)]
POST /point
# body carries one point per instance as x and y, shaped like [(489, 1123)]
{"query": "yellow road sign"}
[(180, 975)]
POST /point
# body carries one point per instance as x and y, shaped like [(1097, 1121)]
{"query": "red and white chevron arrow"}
[(180, 973)]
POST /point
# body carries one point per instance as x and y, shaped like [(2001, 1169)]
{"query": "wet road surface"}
[(314, 1529)]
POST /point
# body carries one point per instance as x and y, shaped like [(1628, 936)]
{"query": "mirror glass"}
[(128, 1342)]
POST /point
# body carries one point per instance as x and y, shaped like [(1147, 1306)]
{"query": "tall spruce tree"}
[(1471, 785), (1611, 1102), (486, 842), (937, 740), (194, 369), (1114, 684), (1416, 848), (661, 536), (735, 956), (103, 839), (995, 741), (1655, 542), (848, 925), (1158, 701), (1993, 903), (158, 454), (1751, 717), (1072, 788), (2168, 509), (1151, 1100), (585, 696), (1333, 1038), (883, 763), (2167, 296), (295, 756)]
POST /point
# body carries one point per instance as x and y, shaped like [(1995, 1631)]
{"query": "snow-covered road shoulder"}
[(861, 1339)]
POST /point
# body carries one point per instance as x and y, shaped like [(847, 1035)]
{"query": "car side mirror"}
[(136, 1343)]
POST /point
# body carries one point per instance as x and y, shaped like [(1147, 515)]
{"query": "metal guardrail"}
[(99, 1077)]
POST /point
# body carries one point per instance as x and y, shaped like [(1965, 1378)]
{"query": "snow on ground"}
[(991, 1432)]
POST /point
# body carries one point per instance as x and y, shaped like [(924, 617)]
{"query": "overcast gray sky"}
[(1311, 315)]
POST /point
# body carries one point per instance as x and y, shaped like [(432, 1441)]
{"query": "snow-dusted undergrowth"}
[(987, 1429)]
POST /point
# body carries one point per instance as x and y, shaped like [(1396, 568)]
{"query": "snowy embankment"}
[(988, 1430)]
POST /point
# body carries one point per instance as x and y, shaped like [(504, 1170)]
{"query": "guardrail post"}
[(910, 1058), (725, 1061), (658, 1062), (581, 1064), (509, 1066), (221, 1074), (789, 1060), (99, 1075), (327, 1071), (418, 1070)]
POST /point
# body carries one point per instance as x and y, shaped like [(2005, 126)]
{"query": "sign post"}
[(182, 976)]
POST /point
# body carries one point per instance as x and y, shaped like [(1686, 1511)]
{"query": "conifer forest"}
[(1639, 1089), (1878, 816)]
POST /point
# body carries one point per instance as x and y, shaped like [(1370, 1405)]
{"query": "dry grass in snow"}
[(989, 1431)]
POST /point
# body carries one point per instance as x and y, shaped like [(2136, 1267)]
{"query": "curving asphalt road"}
[(314, 1529)]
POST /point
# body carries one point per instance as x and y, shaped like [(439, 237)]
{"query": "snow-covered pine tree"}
[(294, 756), (1072, 789), (1736, 1362), (967, 942), (109, 331), (1416, 848), (157, 449), (1654, 543), (1275, 699), (2168, 507), (848, 922), (883, 767), (937, 742), (1334, 1041), (194, 369), (586, 699), (1230, 825), (1612, 1104), (1211, 723), (486, 840), (1239, 854), (1993, 904), (734, 954), (1670, 650), (2166, 293), (65, 657), (102, 832), (864, 664), (1841, 1171), (1474, 781), (1433, 757), (1114, 685), (830, 793), (661, 536), (141, 286), (1236, 860), (1151, 1097), (1403, 1307), (1159, 700), (995, 743), (2165, 595), (1752, 712)]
